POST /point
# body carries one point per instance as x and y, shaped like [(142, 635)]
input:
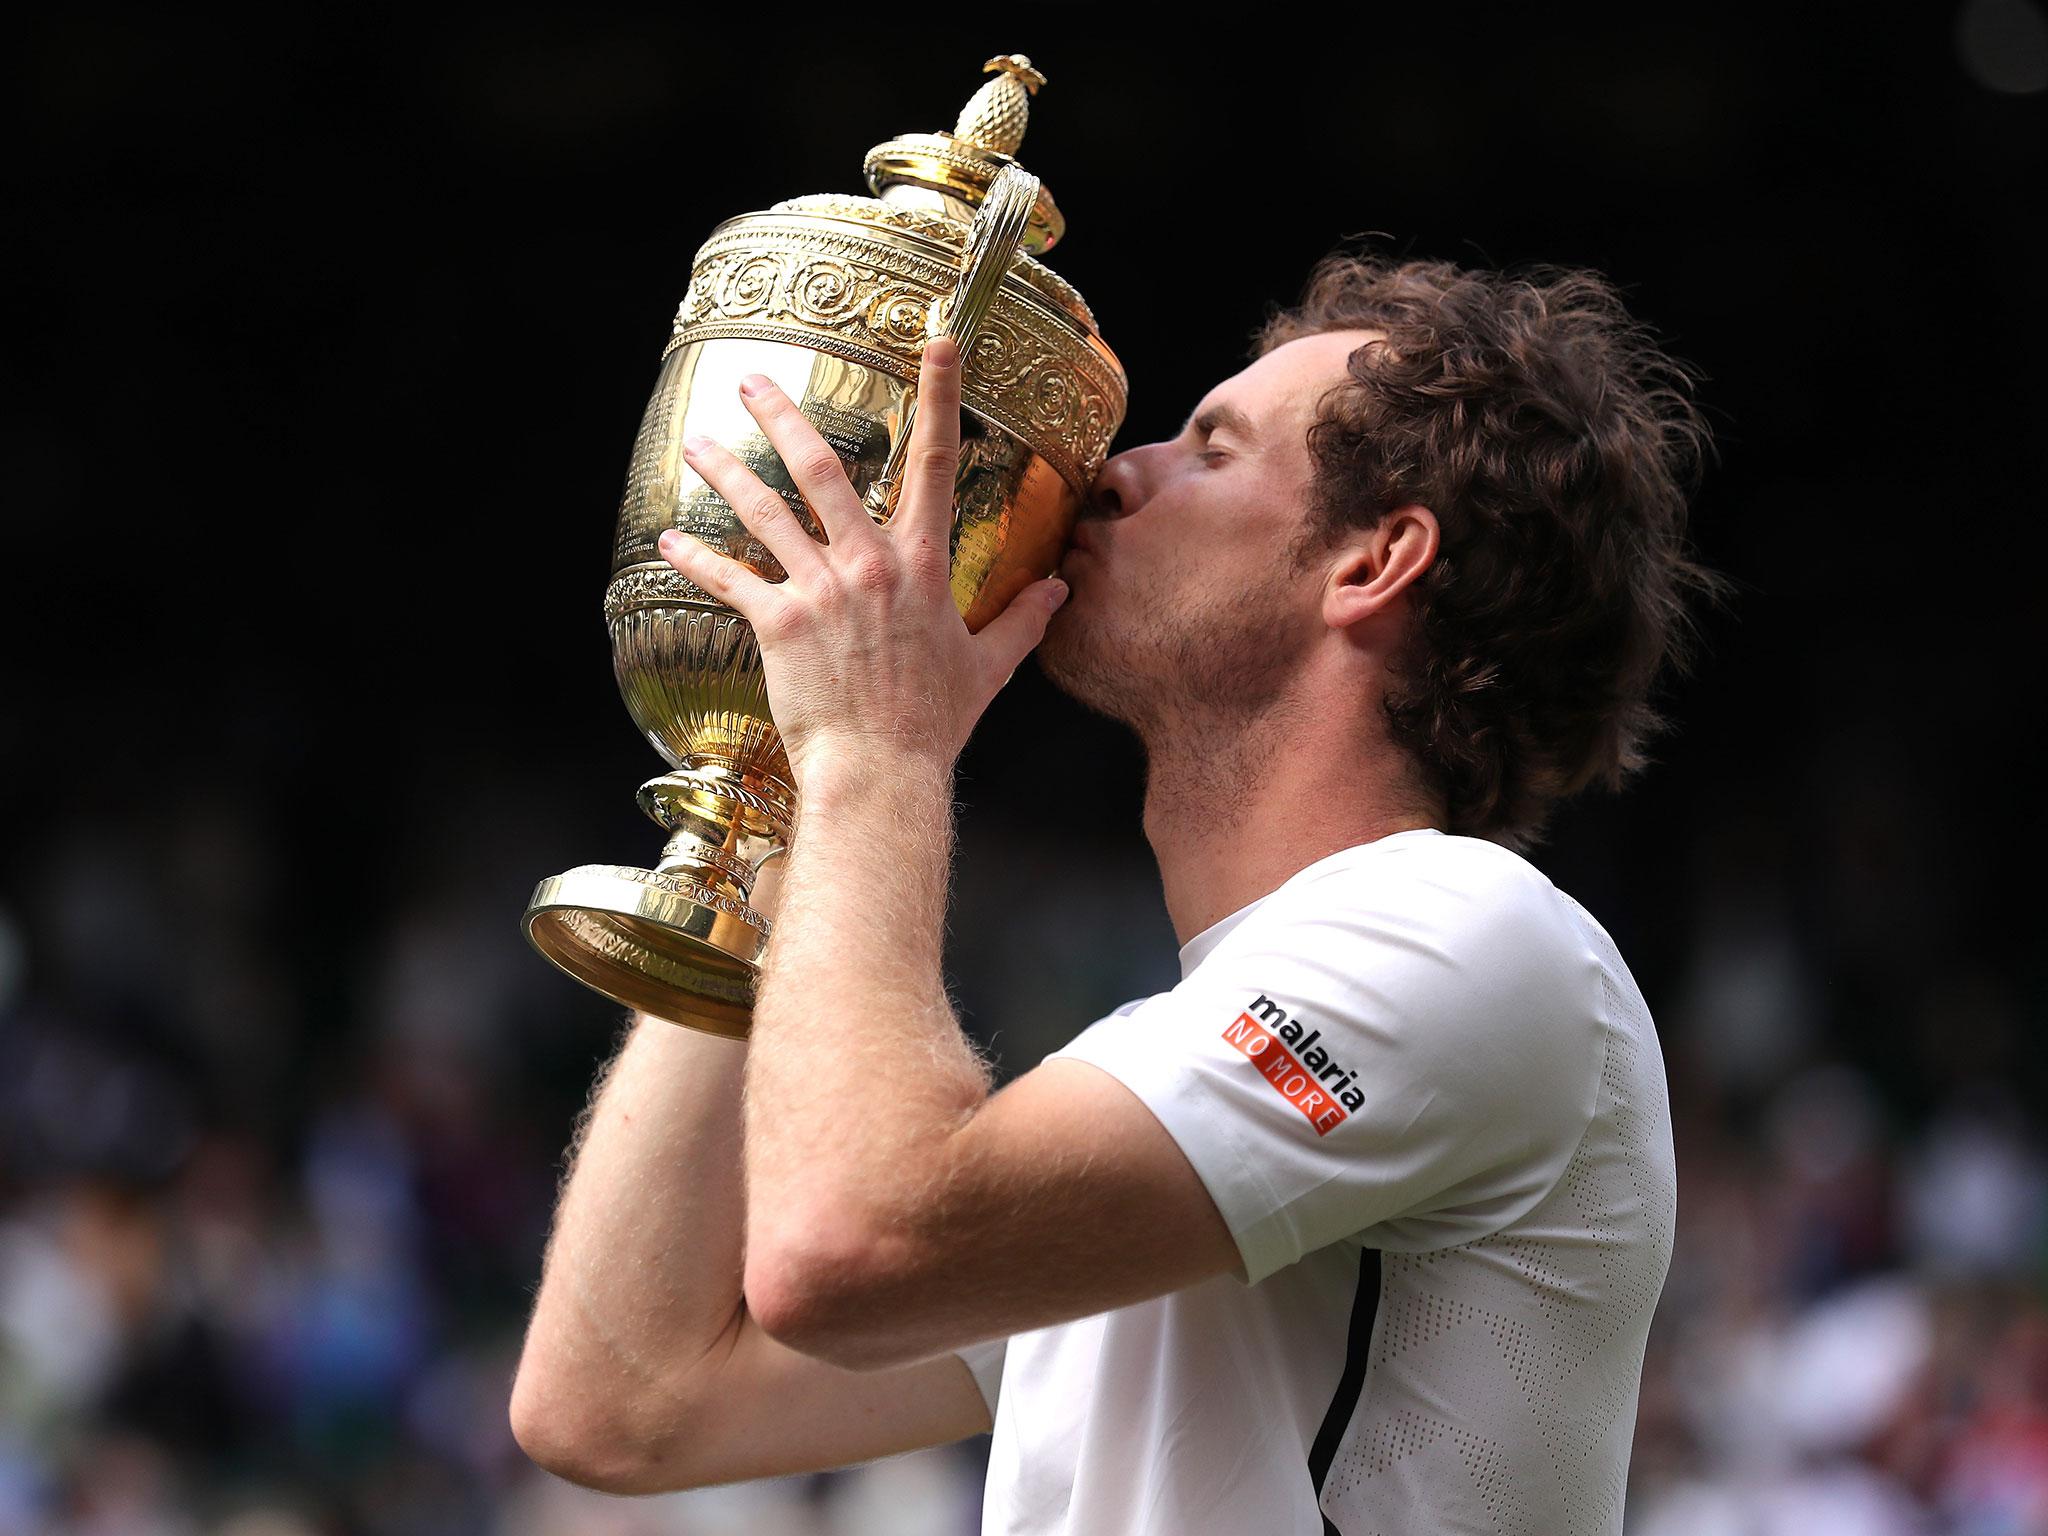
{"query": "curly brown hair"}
[(1557, 444)]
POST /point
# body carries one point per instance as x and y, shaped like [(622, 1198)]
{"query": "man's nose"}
[(1116, 491)]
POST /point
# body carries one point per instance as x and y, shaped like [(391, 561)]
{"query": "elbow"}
[(595, 1441), (559, 1438), (849, 1303)]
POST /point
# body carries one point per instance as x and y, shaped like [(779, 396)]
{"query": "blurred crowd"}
[(273, 1197)]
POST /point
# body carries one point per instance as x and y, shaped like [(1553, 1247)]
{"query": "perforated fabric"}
[(1487, 1223), (1535, 1334)]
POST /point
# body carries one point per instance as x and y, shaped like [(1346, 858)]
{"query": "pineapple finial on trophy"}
[(950, 173), (996, 116)]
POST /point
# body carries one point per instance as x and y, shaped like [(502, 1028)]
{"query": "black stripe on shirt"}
[(1365, 1307)]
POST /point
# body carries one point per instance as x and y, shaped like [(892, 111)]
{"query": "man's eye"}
[(1213, 454)]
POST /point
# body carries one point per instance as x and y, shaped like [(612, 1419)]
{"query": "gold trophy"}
[(833, 297)]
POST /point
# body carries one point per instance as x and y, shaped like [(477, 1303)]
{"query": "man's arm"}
[(643, 1369), (897, 1208)]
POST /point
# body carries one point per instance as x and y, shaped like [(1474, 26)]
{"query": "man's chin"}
[(1072, 658), (1055, 648)]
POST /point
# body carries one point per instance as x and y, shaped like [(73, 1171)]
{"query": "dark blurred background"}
[(328, 339)]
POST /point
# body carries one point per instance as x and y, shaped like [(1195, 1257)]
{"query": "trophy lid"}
[(866, 279), (950, 172)]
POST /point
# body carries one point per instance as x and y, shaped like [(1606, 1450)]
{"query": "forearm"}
[(896, 1209), (641, 1283), (858, 1075)]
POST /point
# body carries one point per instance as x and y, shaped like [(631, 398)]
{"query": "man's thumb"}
[(1010, 636)]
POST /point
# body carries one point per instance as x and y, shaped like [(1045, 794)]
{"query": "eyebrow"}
[(1229, 417)]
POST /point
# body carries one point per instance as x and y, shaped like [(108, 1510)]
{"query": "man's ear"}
[(1375, 565)]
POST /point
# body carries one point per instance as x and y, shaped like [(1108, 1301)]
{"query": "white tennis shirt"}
[(1428, 1099)]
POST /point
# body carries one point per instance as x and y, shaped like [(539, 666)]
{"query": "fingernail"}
[(696, 442), (943, 351), (754, 384), (668, 539), (1057, 595)]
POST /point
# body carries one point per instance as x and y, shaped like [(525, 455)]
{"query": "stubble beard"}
[(1172, 667)]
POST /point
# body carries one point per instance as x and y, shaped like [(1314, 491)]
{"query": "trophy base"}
[(666, 944)]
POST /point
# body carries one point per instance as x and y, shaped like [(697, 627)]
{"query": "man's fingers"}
[(765, 513), (724, 578), (924, 511), (1015, 632), (811, 461)]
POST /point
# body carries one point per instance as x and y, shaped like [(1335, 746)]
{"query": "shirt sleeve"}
[(986, 1362), (1403, 1052)]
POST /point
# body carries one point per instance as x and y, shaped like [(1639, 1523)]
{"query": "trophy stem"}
[(721, 827), (680, 940)]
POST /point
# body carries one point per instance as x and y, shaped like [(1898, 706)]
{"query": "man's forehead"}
[(1283, 384)]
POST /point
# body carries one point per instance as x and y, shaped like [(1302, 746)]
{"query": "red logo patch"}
[(1290, 1079)]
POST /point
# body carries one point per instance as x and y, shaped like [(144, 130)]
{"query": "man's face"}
[(1184, 601)]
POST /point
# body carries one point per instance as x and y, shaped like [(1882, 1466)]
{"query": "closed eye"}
[(1212, 454)]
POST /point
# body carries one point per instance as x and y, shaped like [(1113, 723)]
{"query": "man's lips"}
[(1078, 552)]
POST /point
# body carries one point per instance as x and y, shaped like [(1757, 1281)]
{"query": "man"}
[(1360, 1227)]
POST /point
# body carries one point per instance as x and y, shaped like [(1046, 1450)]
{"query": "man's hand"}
[(861, 645)]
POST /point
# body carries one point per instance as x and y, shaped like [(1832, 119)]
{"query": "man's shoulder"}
[(1424, 852), (1456, 945), (1459, 889)]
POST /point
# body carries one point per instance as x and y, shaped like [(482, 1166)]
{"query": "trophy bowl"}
[(833, 297)]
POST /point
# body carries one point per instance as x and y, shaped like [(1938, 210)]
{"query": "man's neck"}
[(1231, 817)]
